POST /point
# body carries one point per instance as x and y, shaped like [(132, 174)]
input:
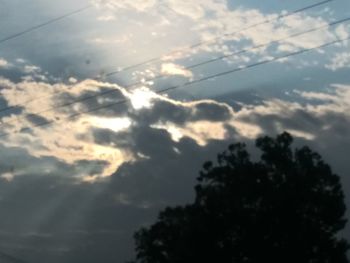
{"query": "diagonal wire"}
[(216, 39), (189, 47), (214, 76), (49, 22), (108, 92), (267, 61), (269, 43)]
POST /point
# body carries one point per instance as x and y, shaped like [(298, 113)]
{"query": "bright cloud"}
[(3, 63), (7, 176), (139, 5), (201, 131), (173, 69), (113, 40), (106, 18), (72, 140), (141, 98), (220, 28), (67, 140), (340, 60), (191, 9)]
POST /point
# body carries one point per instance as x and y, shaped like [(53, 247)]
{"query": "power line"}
[(49, 22), (266, 44), (86, 98), (216, 39), (33, 28), (252, 48), (179, 50), (302, 51), (254, 65)]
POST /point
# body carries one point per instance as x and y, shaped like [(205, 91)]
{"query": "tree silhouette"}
[(286, 207)]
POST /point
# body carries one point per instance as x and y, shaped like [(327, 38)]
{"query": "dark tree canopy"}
[(288, 207)]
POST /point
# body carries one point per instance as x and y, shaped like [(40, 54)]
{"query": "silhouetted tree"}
[(288, 207)]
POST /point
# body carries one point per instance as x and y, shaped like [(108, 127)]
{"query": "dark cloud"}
[(182, 113), (88, 101), (36, 119)]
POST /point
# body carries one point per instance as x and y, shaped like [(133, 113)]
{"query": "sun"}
[(141, 98)]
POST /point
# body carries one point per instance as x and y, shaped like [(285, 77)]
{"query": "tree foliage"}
[(286, 207)]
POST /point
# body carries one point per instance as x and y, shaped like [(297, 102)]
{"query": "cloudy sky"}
[(107, 114)]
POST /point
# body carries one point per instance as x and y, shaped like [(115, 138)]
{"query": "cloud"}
[(4, 63), (113, 40), (342, 31), (7, 176), (31, 69), (222, 28), (173, 69), (106, 18), (193, 10), (141, 98), (215, 19), (340, 60), (72, 80), (139, 5), (72, 140), (65, 139)]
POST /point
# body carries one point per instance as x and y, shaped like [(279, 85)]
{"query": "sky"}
[(94, 142)]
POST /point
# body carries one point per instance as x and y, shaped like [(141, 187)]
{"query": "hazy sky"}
[(87, 157)]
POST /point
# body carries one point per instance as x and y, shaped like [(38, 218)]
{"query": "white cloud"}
[(247, 130), (205, 20), (111, 40), (200, 131), (7, 176), (209, 19), (72, 80), (59, 140), (4, 63), (20, 60), (31, 69), (342, 31), (302, 120), (191, 9), (173, 69), (141, 98), (339, 61), (139, 5), (106, 18), (114, 124)]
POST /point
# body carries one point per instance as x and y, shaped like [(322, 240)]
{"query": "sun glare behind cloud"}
[(141, 98)]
